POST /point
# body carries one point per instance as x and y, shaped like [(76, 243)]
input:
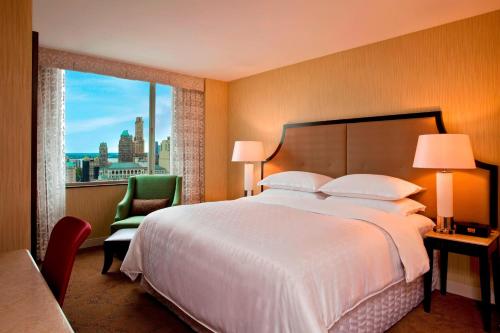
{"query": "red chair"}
[(67, 236)]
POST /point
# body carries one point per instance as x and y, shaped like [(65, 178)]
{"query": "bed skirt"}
[(376, 314)]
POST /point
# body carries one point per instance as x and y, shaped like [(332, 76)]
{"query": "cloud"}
[(81, 80), (163, 105), (79, 97), (89, 125)]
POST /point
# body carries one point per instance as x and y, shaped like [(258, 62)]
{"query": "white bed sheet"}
[(273, 264)]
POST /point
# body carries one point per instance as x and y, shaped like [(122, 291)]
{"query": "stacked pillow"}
[(375, 191), (381, 192), (404, 207), (276, 192)]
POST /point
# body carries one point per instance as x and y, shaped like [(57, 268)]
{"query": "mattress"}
[(289, 265)]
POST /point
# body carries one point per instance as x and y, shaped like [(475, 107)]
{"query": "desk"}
[(26, 302)]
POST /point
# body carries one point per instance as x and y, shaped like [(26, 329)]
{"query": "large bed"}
[(274, 263)]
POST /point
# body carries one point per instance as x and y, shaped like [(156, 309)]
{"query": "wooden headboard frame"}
[(492, 170)]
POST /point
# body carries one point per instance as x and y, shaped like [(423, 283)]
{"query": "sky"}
[(99, 108)]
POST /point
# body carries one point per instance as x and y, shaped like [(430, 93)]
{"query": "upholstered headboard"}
[(384, 145)]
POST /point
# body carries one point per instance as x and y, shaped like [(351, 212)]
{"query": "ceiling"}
[(230, 39)]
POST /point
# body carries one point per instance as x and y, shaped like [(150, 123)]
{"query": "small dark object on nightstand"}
[(472, 229)]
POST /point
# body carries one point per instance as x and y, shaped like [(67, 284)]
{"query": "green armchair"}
[(146, 187)]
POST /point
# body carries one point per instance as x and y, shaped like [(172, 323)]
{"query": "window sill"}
[(97, 184)]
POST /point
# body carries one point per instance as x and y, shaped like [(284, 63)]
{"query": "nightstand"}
[(485, 249)]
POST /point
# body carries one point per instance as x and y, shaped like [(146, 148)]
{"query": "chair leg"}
[(108, 258)]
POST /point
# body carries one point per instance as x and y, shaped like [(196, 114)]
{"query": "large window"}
[(108, 135)]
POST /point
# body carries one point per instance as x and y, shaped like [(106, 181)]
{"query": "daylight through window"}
[(107, 128)]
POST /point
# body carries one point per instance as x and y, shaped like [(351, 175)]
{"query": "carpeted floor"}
[(111, 303)]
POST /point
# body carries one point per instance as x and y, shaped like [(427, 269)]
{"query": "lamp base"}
[(248, 183), (444, 225)]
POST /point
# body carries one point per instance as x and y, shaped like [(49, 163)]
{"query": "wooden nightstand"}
[(485, 248)]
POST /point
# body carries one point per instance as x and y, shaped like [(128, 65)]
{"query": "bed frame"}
[(384, 145)]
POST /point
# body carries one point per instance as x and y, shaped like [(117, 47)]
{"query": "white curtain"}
[(188, 143), (51, 191)]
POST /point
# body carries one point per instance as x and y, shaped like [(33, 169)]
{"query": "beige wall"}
[(95, 204), (216, 142), (15, 123), (455, 67)]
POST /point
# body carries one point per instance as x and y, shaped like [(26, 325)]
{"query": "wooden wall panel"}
[(15, 123), (216, 143), (95, 204), (455, 67)]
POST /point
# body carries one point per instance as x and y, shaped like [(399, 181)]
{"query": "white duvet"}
[(273, 264)]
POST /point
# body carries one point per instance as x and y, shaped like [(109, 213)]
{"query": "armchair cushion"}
[(129, 222)]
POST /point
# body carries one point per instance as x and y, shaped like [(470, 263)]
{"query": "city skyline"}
[(99, 108), (131, 159)]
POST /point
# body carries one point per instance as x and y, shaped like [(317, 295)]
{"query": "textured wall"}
[(455, 67), (216, 143), (15, 123)]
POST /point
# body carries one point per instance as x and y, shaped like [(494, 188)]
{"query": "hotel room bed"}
[(275, 264), (281, 264)]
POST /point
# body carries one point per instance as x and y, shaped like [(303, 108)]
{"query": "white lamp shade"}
[(444, 151), (248, 151)]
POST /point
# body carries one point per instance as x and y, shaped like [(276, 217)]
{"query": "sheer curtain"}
[(51, 191), (188, 143)]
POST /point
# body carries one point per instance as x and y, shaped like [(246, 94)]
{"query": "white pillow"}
[(402, 207), (367, 186), (421, 222), (275, 192), (296, 181)]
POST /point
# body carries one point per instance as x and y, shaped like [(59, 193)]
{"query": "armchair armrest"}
[(178, 192), (123, 206)]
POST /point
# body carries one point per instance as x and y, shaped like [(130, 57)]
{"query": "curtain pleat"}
[(188, 143), (51, 191)]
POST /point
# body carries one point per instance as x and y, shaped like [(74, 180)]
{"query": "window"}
[(108, 137)]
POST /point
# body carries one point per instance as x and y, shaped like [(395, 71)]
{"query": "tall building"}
[(85, 171), (139, 137), (164, 155), (157, 153), (103, 154), (125, 148), (70, 172), (90, 169)]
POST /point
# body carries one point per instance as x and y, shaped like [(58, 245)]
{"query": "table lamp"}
[(248, 152), (444, 152)]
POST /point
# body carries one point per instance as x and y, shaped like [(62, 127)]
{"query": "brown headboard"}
[(384, 145)]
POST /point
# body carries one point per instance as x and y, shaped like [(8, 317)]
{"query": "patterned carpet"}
[(111, 303)]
